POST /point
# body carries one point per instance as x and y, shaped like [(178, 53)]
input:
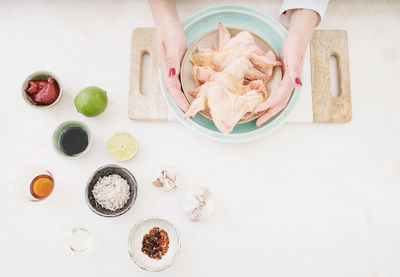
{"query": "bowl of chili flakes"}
[(154, 244)]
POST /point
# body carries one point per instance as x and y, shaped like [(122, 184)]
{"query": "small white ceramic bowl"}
[(40, 75), (136, 238)]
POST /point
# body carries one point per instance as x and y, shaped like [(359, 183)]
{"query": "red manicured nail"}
[(172, 72), (284, 12), (298, 82)]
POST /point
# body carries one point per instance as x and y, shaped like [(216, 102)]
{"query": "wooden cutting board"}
[(325, 107)]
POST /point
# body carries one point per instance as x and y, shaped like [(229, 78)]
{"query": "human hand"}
[(292, 62), (291, 55), (171, 43)]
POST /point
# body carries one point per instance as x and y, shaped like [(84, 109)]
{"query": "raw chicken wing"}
[(230, 80)]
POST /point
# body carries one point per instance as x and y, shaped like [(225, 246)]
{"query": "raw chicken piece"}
[(265, 63), (242, 45), (226, 108), (241, 68), (195, 92), (227, 99), (202, 74), (223, 36), (230, 80), (259, 85), (232, 77)]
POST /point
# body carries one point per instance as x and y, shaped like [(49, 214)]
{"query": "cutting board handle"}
[(326, 107), (151, 106)]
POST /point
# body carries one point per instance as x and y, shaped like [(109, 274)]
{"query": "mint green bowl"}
[(247, 19), (61, 129)]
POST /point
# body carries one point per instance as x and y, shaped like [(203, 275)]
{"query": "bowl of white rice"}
[(111, 191)]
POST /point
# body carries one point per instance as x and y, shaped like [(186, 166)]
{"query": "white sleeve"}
[(288, 5)]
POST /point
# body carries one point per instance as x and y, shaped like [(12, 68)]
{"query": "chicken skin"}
[(230, 80)]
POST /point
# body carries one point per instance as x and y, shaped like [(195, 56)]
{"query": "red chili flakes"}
[(155, 244)]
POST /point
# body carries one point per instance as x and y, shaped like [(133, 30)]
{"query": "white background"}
[(308, 200)]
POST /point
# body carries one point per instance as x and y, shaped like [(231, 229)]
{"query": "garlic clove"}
[(198, 204), (158, 183), (167, 178)]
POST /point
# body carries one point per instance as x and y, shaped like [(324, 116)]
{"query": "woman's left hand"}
[(292, 54), (292, 63)]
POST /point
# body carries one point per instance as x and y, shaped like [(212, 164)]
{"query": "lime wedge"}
[(122, 146)]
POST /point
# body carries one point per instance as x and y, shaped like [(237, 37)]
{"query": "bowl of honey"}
[(35, 184)]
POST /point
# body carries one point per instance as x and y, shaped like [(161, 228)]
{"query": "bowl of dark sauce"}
[(72, 139)]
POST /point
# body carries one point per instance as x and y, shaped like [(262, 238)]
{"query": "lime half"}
[(122, 146)]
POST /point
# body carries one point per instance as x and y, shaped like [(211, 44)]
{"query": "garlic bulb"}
[(198, 204), (167, 178)]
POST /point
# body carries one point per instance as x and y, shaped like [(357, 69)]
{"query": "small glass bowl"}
[(24, 180), (135, 244), (79, 239), (74, 238)]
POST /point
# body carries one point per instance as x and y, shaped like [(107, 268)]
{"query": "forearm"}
[(302, 25), (164, 13)]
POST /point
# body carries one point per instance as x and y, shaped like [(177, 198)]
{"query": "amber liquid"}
[(42, 186)]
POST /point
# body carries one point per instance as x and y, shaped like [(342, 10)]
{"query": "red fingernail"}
[(172, 72), (284, 12), (298, 82)]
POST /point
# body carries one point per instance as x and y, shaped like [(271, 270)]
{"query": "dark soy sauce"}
[(74, 141)]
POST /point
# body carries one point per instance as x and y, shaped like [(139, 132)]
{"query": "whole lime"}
[(91, 101)]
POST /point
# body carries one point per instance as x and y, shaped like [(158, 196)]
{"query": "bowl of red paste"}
[(42, 89)]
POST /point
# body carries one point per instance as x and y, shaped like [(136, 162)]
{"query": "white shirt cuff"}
[(318, 6)]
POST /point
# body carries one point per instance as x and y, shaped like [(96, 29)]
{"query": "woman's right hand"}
[(171, 43)]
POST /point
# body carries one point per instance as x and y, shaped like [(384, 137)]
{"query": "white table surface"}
[(308, 200)]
